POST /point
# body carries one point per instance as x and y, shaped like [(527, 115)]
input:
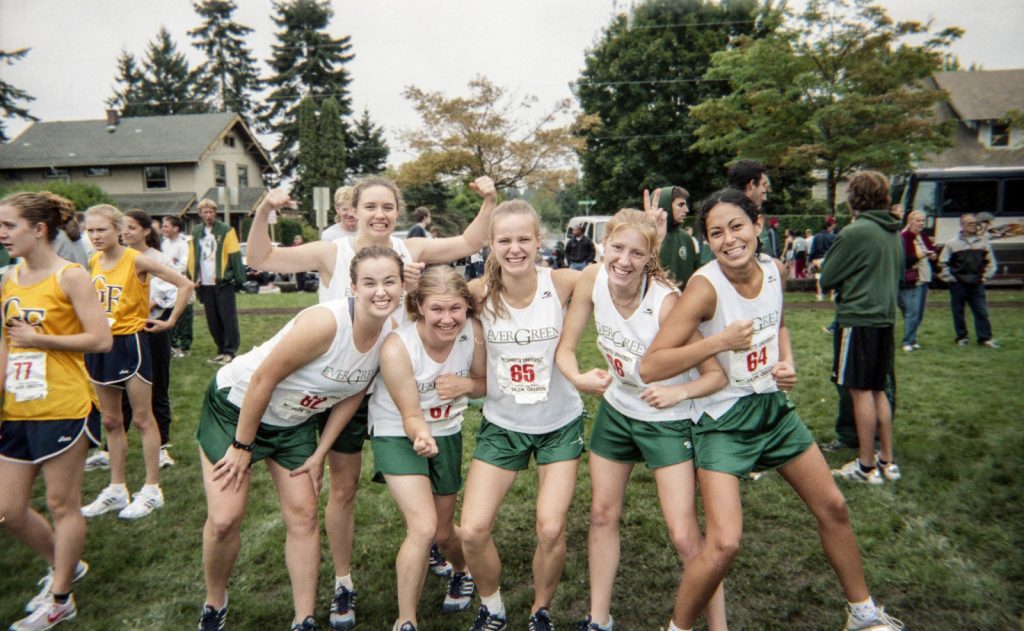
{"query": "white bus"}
[(945, 194)]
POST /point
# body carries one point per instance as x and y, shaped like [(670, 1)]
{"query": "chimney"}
[(113, 118)]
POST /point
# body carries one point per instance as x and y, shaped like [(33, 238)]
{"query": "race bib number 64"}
[(753, 367)]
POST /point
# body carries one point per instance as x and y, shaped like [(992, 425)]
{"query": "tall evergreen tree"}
[(331, 132), (230, 75), (169, 86), (368, 151), (128, 92), (306, 61), (10, 95), (308, 164), (636, 89)]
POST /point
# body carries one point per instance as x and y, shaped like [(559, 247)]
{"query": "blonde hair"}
[(375, 180), (639, 221), (108, 212), (206, 202), (491, 300), (438, 280), (343, 194)]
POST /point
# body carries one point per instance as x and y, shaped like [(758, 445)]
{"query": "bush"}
[(81, 195)]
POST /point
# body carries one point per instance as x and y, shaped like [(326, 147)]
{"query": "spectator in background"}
[(422, 218), (751, 177), (967, 263), (215, 264), (801, 248), (819, 247), (70, 245), (864, 265), (175, 247), (579, 249), (344, 216), (678, 254), (918, 252), (770, 239), (300, 277)]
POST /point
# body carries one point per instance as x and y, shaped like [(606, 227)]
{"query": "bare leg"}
[(447, 536), (557, 481), (19, 519), (225, 510), (608, 481), (415, 500), (63, 475), (486, 488), (884, 425), (302, 541), (340, 513), (140, 395), (113, 423)]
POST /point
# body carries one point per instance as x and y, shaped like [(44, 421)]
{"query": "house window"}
[(14, 176), (243, 175), (220, 174), (155, 178), (56, 174), (229, 141), (96, 171), (1000, 136)]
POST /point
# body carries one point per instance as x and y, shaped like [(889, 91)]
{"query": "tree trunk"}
[(831, 182)]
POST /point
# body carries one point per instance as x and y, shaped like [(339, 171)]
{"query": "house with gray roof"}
[(161, 164)]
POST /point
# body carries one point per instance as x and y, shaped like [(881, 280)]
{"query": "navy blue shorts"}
[(129, 356), (32, 442)]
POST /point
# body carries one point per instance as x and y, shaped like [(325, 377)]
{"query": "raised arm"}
[(396, 371), (318, 256), (95, 336), (470, 241), (595, 380)]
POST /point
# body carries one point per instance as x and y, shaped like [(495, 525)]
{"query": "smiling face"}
[(134, 234), (378, 287), (102, 232), (377, 212), (442, 317), (732, 235), (514, 242), (626, 254), (17, 234)]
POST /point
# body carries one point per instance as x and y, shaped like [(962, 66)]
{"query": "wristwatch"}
[(243, 446)]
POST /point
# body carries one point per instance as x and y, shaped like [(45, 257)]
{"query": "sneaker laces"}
[(460, 585), (541, 620), (344, 600), (893, 622), (485, 620), (212, 619)]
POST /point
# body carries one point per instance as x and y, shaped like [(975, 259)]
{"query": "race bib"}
[(26, 376), (621, 364), (525, 378), (446, 415), (299, 406), (752, 368)]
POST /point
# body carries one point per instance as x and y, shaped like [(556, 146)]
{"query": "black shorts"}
[(32, 442), (862, 356), (129, 356)]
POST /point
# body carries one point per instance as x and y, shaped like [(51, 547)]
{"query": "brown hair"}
[(868, 190), (44, 207), (491, 300), (108, 212), (420, 214), (374, 252), (140, 217), (438, 280), (375, 180), (639, 221)]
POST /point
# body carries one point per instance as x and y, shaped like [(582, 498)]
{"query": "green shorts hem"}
[(394, 455), (511, 450), (624, 439)]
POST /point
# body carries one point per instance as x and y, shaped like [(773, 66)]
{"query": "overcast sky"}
[(529, 46)]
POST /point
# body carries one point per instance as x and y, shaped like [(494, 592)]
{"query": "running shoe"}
[(541, 620), (487, 621), (213, 619), (588, 624), (145, 502), (835, 445), (881, 622), (43, 596), (908, 348), (343, 609), (459, 594), (47, 616), (851, 471), (962, 341), (407, 626), (890, 472), (217, 359), (110, 498), (99, 460), (308, 624), (439, 565), (165, 457), (991, 344)]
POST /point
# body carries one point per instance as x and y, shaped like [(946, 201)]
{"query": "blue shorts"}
[(32, 442), (129, 356)]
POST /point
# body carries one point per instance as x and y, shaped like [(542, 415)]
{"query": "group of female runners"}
[(691, 387)]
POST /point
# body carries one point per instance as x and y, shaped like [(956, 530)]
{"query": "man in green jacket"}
[(678, 254), (864, 266), (215, 264)]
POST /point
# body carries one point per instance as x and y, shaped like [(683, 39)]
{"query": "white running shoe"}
[(99, 460), (852, 471), (48, 616), (43, 596), (890, 471), (110, 498), (881, 622), (165, 457), (145, 502)]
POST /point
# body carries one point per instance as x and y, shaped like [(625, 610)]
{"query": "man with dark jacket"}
[(968, 263), (865, 265), (678, 254), (579, 250), (215, 264)]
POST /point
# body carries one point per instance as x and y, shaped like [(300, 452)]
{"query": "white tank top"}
[(341, 282), (526, 392), (749, 371), (337, 374), (624, 341), (443, 417)]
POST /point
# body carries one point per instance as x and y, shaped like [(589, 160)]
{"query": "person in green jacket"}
[(215, 265), (678, 253), (864, 266)]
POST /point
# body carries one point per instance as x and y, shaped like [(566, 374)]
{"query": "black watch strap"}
[(244, 447)]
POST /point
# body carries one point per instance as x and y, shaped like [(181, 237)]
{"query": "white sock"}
[(493, 603), (343, 581), (672, 627), (864, 610), (150, 488), (120, 487)]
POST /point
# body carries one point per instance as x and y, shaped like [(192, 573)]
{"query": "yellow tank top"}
[(124, 297), (43, 384)]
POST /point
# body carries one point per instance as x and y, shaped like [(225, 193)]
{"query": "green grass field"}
[(942, 547)]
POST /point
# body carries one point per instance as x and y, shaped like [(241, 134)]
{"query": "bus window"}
[(1013, 197), (969, 196), (924, 200)]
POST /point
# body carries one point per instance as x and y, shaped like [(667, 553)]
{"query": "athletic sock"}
[(883, 462), (493, 603), (865, 468), (151, 488), (864, 610), (121, 487), (60, 599), (343, 581), (672, 627)]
